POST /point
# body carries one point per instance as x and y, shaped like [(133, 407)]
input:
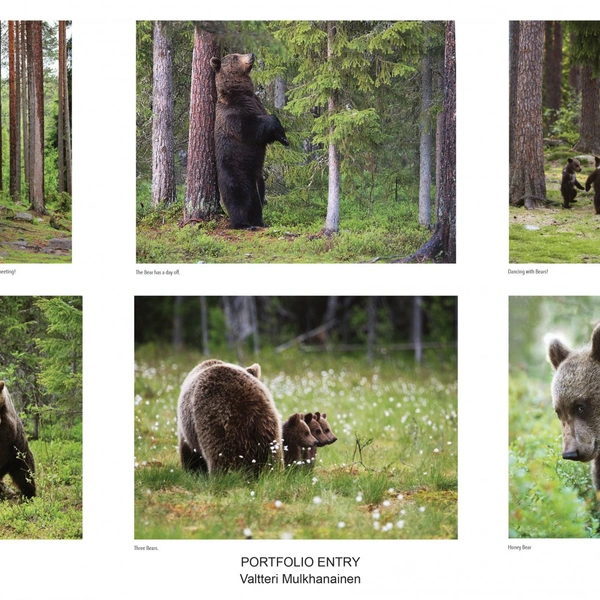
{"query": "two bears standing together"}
[(569, 183), (227, 420)]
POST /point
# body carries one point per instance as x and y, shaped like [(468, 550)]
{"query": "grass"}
[(383, 231), (553, 234), (56, 511), (23, 242), (401, 484), (549, 497)]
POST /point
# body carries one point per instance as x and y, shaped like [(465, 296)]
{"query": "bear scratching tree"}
[(243, 128)]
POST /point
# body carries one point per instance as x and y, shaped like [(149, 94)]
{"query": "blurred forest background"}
[(41, 364), (383, 369), (362, 103), (549, 497), (554, 116), (35, 144)]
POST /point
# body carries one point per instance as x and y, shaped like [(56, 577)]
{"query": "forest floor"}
[(391, 474), (553, 234), (381, 233), (26, 237)]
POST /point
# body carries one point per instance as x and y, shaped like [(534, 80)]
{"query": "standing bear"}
[(576, 400), (569, 181), (16, 458), (243, 128), (227, 420), (594, 179)]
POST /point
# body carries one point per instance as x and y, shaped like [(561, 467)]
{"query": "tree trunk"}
[(177, 338), (18, 25), (513, 41), (202, 192), (1, 161), (417, 328), (204, 325), (279, 92), (527, 179), (425, 146), (442, 244), (553, 68), (61, 109), (24, 104), (13, 113), (67, 119), (589, 130), (36, 115), (333, 195), (163, 145)]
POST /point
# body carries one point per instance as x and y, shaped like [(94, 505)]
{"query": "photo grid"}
[(255, 269)]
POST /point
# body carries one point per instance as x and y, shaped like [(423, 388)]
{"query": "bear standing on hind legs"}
[(594, 179), (569, 181), (243, 128), (16, 458)]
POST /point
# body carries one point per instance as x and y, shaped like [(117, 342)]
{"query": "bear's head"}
[(232, 74), (573, 165), (325, 428), (315, 429), (576, 397)]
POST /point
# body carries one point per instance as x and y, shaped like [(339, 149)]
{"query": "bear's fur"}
[(320, 429), (227, 420), (576, 400), (569, 181), (16, 458), (594, 179), (297, 439), (243, 128)]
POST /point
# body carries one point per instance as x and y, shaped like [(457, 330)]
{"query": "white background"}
[(104, 564)]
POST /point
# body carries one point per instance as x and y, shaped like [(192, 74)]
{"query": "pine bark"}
[(553, 68), (527, 179), (12, 109), (202, 192), (163, 145), (36, 115)]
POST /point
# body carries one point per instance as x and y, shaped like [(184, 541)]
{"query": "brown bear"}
[(569, 181), (594, 179), (321, 431), (297, 439), (16, 458), (243, 128), (576, 400), (227, 420)]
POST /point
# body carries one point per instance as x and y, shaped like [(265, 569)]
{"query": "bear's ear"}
[(557, 352), (324, 415), (596, 343), (215, 63), (569, 160), (295, 418), (308, 417), (317, 415), (254, 370)]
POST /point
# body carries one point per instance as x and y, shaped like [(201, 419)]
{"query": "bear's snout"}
[(574, 455)]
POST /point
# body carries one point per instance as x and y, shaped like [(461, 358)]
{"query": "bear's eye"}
[(580, 408)]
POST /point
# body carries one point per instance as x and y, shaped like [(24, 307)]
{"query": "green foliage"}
[(585, 46), (565, 124), (404, 487)]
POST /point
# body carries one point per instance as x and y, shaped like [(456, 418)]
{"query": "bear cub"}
[(243, 128), (227, 420), (576, 400), (16, 458), (569, 181), (594, 179), (297, 439)]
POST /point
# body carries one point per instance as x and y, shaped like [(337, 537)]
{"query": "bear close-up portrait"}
[(243, 128), (576, 400), (227, 420), (16, 458)]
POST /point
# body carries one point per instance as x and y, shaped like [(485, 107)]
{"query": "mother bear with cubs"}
[(227, 420), (243, 128)]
